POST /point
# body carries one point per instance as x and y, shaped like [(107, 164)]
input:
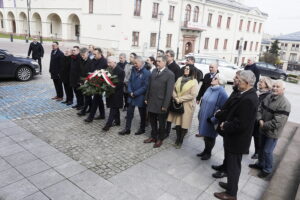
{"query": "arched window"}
[(188, 9), (196, 14)]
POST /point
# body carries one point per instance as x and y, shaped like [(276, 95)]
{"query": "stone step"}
[(285, 180)]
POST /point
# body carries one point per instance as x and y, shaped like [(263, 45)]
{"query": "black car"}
[(19, 67), (270, 70)]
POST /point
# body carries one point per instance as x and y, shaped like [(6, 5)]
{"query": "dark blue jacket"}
[(138, 84)]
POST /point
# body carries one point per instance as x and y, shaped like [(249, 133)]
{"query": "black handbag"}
[(176, 108)]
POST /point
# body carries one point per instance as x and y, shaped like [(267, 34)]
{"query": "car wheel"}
[(24, 73), (282, 77)]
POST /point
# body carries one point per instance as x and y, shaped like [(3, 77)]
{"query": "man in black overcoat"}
[(99, 62), (37, 52), (54, 69), (115, 100), (237, 131), (75, 77), (252, 66), (65, 77)]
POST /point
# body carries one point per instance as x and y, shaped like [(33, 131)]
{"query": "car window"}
[(222, 63), (200, 60), (261, 65), (210, 61), (271, 67)]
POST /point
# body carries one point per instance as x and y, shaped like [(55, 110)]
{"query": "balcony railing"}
[(193, 26)]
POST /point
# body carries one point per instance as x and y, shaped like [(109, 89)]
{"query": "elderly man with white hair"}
[(272, 116), (115, 100), (237, 128)]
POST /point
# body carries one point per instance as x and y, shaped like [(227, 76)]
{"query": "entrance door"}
[(13, 23), (188, 48)]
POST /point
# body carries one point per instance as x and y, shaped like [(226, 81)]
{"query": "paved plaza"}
[(48, 152)]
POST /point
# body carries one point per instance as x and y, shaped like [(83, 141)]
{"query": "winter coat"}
[(138, 84), (175, 69), (65, 69), (205, 84), (256, 72), (274, 111), (55, 63), (99, 64), (36, 49), (115, 100), (160, 90), (122, 65), (85, 68), (213, 99), (186, 96), (239, 123), (75, 70)]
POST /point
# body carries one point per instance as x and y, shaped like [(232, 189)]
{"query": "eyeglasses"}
[(186, 68)]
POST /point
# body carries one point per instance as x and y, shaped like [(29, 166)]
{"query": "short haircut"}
[(98, 49), (214, 64), (90, 45), (171, 52), (163, 58), (248, 76), (122, 55), (133, 54), (238, 72), (192, 58), (112, 58), (221, 79), (279, 82), (56, 42), (77, 47), (140, 59), (83, 50), (161, 51), (268, 81)]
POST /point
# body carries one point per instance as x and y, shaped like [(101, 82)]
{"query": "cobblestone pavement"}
[(125, 162)]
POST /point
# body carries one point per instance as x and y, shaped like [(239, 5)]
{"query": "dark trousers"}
[(233, 164), (114, 116), (87, 102), (68, 92), (79, 96), (257, 143), (157, 133), (125, 95), (39, 60), (209, 144), (58, 88), (97, 102), (130, 114)]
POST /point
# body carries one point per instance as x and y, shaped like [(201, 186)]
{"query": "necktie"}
[(158, 72)]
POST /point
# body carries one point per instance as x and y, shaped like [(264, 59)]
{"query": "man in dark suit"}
[(75, 77), (237, 132), (158, 98), (99, 62), (37, 52), (65, 77), (252, 66), (85, 69), (137, 87), (115, 100), (54, 69)]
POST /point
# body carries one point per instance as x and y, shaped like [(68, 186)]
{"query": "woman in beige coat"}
[(185, 92)]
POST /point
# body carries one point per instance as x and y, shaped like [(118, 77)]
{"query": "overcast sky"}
[(284, 15)]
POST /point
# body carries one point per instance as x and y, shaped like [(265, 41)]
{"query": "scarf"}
[(183, 84)]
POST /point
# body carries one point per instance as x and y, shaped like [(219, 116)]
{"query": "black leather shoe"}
[(99, 117), (81, 113), (206, 156), (139, 132), (106, 128), (76, 106), (88, 120), (223, 185), (69, 103), (79, 108), (124, 132), (219, 175), (64, 102), (263, 174), (218, 167), (201, 154), (116, 124), (255, 166), (254, 156)]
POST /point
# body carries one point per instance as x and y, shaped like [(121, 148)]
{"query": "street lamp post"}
[(161, 14), (28, 21)]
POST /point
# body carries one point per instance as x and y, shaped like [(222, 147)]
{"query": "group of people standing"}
[(156, 85)]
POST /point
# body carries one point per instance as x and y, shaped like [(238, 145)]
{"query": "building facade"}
[(289, 50), (224, 28)]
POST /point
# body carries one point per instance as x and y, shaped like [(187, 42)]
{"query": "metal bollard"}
[(11, 37), (26, 38)]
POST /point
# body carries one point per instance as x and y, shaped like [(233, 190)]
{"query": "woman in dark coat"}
[(264, 88), (213, 99), (115, 100)]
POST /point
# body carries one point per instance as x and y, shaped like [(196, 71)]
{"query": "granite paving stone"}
[(9, 176), (36, 196), (4, 165), (11, 149), (32, 168), (20, 158), (18, 190), (45, 179), (70, 169)]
